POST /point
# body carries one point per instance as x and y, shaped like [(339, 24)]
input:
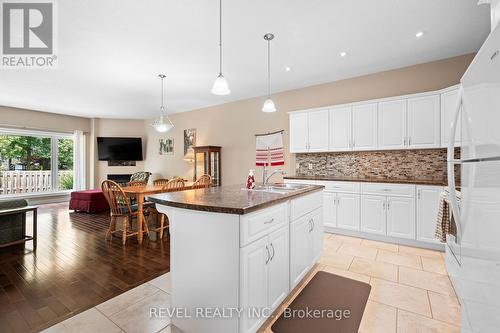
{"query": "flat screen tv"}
[(119, 149)]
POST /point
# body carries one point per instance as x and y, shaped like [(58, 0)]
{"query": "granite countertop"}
[(231, 199), (417, 181)]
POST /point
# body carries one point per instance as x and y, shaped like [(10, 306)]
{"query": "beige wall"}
[(37, 120), (233, 125)]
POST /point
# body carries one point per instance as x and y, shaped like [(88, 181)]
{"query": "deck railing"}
[(17, 182)]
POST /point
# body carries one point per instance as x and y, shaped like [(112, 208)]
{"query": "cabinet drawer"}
[(305, 204), (388, 189), (258, 224), (334, 186)]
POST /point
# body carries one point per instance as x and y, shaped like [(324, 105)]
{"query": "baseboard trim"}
[(387, 239)]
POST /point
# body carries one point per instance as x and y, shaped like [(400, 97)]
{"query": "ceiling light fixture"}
[(343, 54), (419, 34), (288, 68), (163, 123), (220, 86), (268, 104)]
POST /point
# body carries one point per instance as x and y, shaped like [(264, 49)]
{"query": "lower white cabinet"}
[(399, 211), (279, 263), (330, 209), (347, 206), (391, 216), (427, 210), (306, 237), (401, 217), (373, 214), (264, 276)]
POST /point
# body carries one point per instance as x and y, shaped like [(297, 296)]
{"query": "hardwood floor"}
[(72, 269)]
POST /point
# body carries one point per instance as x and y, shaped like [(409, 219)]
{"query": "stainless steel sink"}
[(277, 188)]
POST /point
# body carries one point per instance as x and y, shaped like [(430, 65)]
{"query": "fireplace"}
[(121, 179)]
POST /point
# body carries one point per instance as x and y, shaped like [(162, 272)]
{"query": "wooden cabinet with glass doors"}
[(207, 160)]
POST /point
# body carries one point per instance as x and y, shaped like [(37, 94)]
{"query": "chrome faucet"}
[(266, 178)]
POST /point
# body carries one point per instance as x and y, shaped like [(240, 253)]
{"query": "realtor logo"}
[(28, 34)]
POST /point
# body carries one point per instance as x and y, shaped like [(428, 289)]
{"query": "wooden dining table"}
[(140, 193)]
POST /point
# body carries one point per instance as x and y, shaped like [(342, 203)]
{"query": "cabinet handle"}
[(270, 221), (310, 223), (409, 141), (383, 205), (388, 204), (272, 257), (268, 254)]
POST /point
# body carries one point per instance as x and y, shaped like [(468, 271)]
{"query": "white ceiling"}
[(110, 52)]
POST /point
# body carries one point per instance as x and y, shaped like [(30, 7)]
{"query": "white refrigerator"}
[(473, 255)]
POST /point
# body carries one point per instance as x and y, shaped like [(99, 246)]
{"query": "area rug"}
[(328, 303)]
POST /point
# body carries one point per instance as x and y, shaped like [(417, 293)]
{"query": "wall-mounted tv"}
[(119, 149)]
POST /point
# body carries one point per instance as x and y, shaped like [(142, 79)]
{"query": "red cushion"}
[(88, 195)]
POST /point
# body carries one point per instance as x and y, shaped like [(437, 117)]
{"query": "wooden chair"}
[(161, 182), (136, 183), (120, 208), (173, 185), (205, 181), (176, 184)]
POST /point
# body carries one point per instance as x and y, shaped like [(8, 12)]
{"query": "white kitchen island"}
[(236, 254)]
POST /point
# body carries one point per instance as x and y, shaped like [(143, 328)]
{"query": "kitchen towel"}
[(269, 149), (445, 224)]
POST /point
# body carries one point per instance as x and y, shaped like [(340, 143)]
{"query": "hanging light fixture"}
[(220, 86), (163, 123), (268, 104)]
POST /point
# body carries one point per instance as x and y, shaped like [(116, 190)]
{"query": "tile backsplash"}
[(395, 164)]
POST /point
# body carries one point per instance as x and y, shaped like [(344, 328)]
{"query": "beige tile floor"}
[(411, 292), (128, 312)]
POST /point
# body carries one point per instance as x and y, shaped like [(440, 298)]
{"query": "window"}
[(35, 162)]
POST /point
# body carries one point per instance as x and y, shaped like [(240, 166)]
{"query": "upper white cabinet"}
[(364, 127), (424, 122), (309, 131), (340, 129), (318, 131), (449, 102), (392, 128), (298, 132), (417, 121)]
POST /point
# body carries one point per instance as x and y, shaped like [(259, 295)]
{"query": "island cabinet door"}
[(279, 272), (317, 234), (300, 249), (254, 283)]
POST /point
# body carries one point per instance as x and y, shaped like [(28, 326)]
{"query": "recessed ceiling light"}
[(419, 34), (288, 68), (343, 54)]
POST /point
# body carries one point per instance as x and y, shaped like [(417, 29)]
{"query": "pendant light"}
[(268, 104), (163, 123), (220, 86)]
